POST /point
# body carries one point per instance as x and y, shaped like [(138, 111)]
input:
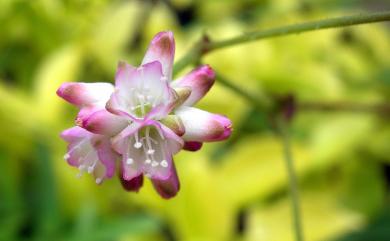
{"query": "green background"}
[(234, 190)]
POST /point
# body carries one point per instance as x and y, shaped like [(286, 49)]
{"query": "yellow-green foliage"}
[(339, 157)]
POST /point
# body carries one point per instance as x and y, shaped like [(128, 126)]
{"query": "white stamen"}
[(148, 161), (150, 151), (164, 163), (129, 161), (154, 163), (99, 180), (90, 169), (138, 145)]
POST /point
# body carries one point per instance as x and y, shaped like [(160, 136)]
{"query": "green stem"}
[(382, 109), (205, 45), (292, 180)]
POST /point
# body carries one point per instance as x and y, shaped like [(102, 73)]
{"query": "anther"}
[(129, 161), (138, 145), (148, 161), (154, 163), (150, 151), (164, 163), (66, 156), (99, 180)]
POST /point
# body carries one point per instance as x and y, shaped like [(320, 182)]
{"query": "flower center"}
[(142, 98), (146, 148)]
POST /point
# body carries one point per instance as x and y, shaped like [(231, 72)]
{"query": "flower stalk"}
[(292, 179), (205, 45)]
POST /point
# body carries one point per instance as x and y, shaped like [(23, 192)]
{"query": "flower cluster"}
[(142, 121)]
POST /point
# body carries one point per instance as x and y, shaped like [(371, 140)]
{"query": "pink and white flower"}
[(146, 118)]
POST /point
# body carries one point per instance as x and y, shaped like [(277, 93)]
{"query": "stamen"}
[(129, 161), (147, 137), (99, 180), (92, 167), (164, 163), (160, 132), (137, 144), (148, 161), (154, 164)]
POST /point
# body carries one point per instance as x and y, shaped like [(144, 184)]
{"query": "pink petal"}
[(106, 154), (162, 49), (90, 153), (132, 185), (202, 126), (168, 188), (125, 73), (103, 122), (75, 134), (192, 145), (83, 94), (199, 80), (135, 161)]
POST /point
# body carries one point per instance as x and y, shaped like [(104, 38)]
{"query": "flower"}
[(144, 120)]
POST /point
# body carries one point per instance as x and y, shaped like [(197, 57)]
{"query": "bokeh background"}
[(236, 190)]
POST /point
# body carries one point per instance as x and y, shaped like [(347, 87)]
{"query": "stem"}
[(292, 179), (378, 108), (203, 47)]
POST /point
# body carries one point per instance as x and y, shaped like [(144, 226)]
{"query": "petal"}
[(199, 80), (162, 49), (168, 188), (147, 148), (90, 153), (132, 158), (125, 73), (132, 185), (82, 94), (103, 122), (192, 145), (203, 126), (107, 155), (75, 134)]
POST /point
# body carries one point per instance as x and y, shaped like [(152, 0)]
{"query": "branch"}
[(378, 108), (205, 46), (292, 180)]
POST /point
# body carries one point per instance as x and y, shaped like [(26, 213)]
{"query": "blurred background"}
[(236, 190)]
